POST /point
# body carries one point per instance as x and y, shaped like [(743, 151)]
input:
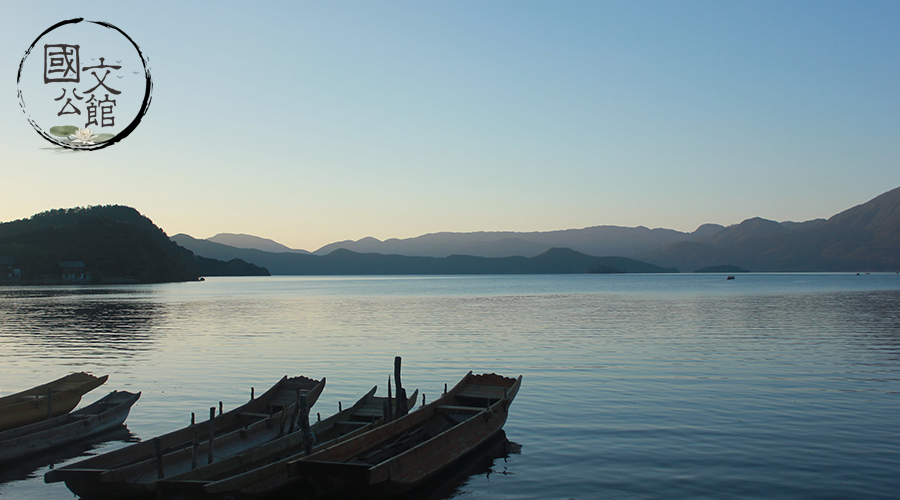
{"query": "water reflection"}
[(769, 389), (76, 322), (489, 458), (29, 467)]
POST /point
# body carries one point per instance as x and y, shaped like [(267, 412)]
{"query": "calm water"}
[(635, 386)]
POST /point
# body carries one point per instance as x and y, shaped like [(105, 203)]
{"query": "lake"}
[(634, 386)]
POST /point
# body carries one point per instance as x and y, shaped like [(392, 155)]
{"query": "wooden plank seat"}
[(369, 413)]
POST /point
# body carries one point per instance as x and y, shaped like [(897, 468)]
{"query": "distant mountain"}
[(250, 241), (863, 238), (598, 240), (105, 243), (220, 251), (706, 230), (345, 262)]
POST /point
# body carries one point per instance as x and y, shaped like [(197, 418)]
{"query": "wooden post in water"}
[(339, 407), (401, 394), (402, 403), (157, 447), (220, 408), (318, 417), (423, 399), (251, 394), (212, 434), (193, 418), (389, 414)]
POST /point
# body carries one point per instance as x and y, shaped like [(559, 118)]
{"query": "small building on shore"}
[(73, 270), (8, 268)]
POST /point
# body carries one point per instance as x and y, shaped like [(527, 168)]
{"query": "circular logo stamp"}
[(84, 85)]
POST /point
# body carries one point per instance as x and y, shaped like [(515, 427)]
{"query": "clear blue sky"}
[(312, 122)]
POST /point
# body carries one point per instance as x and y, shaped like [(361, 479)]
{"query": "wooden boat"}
[(133, 471), (263, 470), (402, 454), (34, 405), (108, 412)]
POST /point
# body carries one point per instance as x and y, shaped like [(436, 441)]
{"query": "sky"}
[(315, 122)]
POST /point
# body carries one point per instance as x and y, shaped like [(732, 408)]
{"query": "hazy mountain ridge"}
[(863, 238), (347, 262), (239, 240), (596, 240)]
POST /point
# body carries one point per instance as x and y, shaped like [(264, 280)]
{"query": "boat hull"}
[(403, 454), (132, 471), (106, 413), (28, 407)]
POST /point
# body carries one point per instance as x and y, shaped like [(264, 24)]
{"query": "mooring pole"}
[(212, 434), (401, 394), (389, 415)]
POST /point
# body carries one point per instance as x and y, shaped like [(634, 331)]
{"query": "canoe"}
[(402, 454), (108, 412), (263, 470), (33, 405), (132, 471)]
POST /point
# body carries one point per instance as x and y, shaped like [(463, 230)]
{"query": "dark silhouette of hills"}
[(114, 243), (346, 262), (863, 238)]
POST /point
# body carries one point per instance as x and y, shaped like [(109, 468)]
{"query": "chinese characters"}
[(62, 65)]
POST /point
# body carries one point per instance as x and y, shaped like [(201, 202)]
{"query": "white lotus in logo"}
[(83, 136)]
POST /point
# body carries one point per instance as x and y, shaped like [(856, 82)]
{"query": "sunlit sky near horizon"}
[(314, 122)]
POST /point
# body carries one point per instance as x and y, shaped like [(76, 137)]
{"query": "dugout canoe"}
[(263, 470), (402, 454), (133, 471), (106, 413), (34, 405)]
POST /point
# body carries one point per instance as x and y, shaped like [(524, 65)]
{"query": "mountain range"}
[(862, 238), (347, 262)]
